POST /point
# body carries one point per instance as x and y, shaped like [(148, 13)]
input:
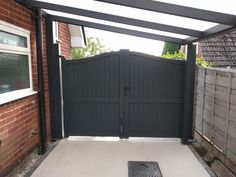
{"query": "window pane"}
[(14, 72), (11, 39)]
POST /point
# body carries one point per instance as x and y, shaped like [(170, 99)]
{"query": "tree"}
[(94, 47), (170, 48)]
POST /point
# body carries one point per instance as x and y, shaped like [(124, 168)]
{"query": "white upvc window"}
[(15, 63), (56, 40), (55, 28)]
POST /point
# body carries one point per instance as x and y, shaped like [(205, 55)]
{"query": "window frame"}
[(56, 39), (5, 48), (55, 32)]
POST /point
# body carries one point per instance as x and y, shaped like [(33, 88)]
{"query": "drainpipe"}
[(41, 98)]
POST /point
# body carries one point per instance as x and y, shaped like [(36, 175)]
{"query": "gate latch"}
[(126, 90)]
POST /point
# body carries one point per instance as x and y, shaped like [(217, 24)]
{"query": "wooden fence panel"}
[(215, 108)]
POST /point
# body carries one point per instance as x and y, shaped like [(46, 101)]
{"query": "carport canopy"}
[(180, 23), (177, 23)]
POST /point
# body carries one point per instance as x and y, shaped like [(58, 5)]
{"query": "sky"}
[(115, 41), (118, 41)]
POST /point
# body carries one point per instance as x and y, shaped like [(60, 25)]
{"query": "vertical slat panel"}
[(92, 96), (156, 96)]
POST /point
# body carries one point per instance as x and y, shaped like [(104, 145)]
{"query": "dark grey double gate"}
[(123, 94)]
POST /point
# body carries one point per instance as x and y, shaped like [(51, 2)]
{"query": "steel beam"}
[(187, 128), (212, 32), (118, 29), (114, 18), (178, 10)]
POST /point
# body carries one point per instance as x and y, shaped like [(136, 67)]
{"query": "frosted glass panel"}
[(120, 25), (136, 13), (226, 6), (14, 72), (11, 39)]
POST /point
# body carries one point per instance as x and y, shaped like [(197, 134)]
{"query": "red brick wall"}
[(65, 40), (18, 118)]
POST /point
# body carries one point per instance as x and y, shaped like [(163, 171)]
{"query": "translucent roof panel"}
[(120, 25), (226, 6), (136, 13)]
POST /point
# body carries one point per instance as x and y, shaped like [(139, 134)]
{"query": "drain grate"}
[(144, 169)]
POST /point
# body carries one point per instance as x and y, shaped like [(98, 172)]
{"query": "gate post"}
[(187, 128), (53, 82)]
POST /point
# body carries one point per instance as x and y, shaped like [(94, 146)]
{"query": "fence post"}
[(195, 97), (213, 105), (203, 101), (227, 113), (187, 129)]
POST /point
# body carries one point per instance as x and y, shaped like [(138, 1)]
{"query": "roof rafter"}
[(117, 29), (212, 32), (115, 18), (178, 10)]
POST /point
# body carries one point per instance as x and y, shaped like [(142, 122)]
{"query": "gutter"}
[(41, 98)]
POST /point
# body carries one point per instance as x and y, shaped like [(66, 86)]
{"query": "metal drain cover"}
[(144, 169)]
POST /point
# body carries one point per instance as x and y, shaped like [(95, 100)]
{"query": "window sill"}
[(23, 95)]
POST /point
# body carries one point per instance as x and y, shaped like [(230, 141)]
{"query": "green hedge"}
[(180, 56)]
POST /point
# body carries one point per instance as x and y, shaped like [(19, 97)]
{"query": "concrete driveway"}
[(98, 157)]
